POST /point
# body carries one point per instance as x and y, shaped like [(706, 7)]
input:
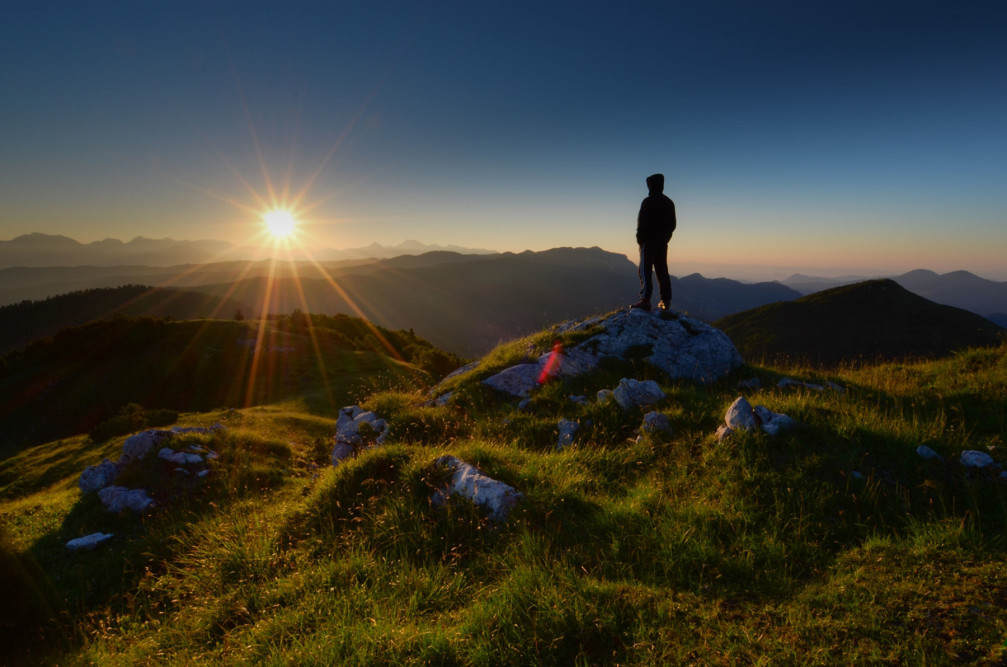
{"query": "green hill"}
[(23, 322), (69, 383), (868, 321), (834, 542)]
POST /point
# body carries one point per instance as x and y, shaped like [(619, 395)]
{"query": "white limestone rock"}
[(604, 396), (119, 498), (656, 422), (178, 458), (680, 346), (98, 477), (632, 393), (974, 459), (724, 432), (348, 438), (741, 416), (567, 429), (925, 452), (137, 446), (773, 422), (517, 380), (495, 497), (88, 542), (342, 451)]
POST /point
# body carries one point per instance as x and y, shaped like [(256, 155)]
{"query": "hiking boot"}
[(643, 305)]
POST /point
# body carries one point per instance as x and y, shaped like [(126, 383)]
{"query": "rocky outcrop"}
[(119, 499), (680, 346), (350, 438), (741, 416), (99, 476), (495, 497)]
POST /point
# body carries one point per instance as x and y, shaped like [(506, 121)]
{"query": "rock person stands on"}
[(654, 226)]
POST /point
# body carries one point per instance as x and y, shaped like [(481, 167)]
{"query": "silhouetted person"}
[(654, 226)]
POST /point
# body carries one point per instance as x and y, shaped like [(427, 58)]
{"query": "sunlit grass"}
[(831, 543)]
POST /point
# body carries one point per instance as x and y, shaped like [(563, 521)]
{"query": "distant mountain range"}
[(462, 303), (49, 250), (867, 321)]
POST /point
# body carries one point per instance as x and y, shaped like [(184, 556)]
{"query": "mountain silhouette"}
[(868, 321), (23, 322)]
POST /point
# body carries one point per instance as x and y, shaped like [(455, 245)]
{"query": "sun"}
[(280, 223)]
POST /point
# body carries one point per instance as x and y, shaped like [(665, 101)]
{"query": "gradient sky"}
[(824, 137)]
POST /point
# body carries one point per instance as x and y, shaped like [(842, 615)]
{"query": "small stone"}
[(88, 542), (974, 459), (567, 429), (857, 475), (631, 393), (925, 452), (723, 432), (342, 451), (497, 498), (656, 422), (203, 473), (605, 395), (741, 415)]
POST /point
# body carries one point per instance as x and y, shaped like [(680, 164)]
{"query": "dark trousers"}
[(654, 258)]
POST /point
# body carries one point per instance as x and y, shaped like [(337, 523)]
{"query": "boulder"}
[(119, 498), (973, 459), (137, 446), (98, 477), (567, 429), (495, 497), (88, 542), (633, 393), (682, 347)]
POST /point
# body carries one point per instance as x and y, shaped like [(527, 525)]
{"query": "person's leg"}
[(660, 261), (646, 265)]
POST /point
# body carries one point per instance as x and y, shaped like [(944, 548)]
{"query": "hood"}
[(655, 184)]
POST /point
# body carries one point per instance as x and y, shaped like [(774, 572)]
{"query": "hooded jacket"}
[(656, 221)]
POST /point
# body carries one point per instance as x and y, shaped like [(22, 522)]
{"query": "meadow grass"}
[(830, 543)]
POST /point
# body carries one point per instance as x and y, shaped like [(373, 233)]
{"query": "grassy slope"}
[(867, 321), (67, 384), (658, 550)]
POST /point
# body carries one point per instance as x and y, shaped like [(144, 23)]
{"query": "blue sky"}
[(821, 137)]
